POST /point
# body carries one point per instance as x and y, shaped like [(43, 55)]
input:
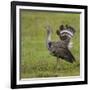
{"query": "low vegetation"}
[(36, 60)]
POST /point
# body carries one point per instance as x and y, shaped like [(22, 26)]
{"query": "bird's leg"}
[(57, 62), (60, 63), (55, 66)]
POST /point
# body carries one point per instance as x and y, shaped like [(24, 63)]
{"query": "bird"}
[(59, 48)]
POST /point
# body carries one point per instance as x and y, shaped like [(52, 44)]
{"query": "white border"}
[(54, 79)]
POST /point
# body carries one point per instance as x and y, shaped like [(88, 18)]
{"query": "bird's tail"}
[(65, 32)]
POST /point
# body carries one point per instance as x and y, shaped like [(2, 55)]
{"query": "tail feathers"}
[(65, 32)]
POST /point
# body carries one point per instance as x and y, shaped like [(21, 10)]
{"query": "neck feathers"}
[(48, 39)]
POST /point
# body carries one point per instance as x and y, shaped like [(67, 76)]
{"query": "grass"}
[(35, 58)]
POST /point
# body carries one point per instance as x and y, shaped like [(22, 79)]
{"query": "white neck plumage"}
[(48, 39)]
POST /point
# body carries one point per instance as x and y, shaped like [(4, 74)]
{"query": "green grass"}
[(35, 58)]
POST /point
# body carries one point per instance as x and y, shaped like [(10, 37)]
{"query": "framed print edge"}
[(14, 84), (86, 45), (13, 45)]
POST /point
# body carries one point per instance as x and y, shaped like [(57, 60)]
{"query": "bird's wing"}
[(65, 54), (59, 44)]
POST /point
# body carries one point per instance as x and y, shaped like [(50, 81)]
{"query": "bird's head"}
[(48, 29)]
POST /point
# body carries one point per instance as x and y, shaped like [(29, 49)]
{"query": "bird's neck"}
[(49, 37), (48, 40)]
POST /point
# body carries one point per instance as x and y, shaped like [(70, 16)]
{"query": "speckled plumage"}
[(60, 48)]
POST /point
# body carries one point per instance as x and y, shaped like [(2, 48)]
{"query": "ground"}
[(36, 60)]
